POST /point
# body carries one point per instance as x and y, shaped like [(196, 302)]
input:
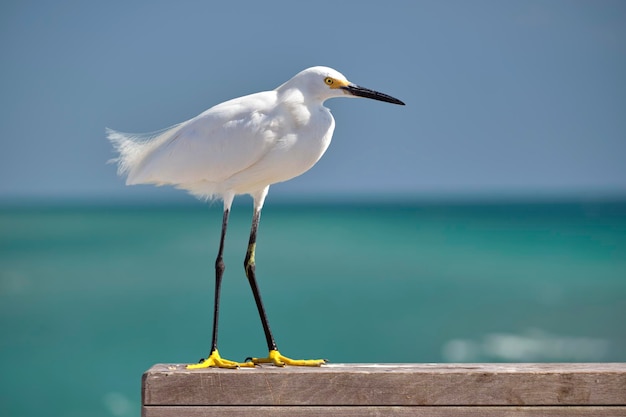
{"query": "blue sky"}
[(503, 98)]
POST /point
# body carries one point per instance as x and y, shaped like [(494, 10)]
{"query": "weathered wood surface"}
[(391, 411), (432, 390)]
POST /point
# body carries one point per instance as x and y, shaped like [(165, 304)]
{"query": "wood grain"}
[(406, 386)]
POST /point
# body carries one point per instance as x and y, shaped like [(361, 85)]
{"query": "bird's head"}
[(322, 83)]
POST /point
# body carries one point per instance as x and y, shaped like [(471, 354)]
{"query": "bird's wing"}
[(211, 147)]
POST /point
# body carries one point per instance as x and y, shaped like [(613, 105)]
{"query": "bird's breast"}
[(308, 135), (296, 141)]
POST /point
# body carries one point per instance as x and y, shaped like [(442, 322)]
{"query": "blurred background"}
[(483, 221)]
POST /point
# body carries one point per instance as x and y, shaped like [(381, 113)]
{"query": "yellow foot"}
[(215, 361), (279, 360)]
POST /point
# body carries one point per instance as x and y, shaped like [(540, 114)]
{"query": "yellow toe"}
[(277, 359), (216, 361)]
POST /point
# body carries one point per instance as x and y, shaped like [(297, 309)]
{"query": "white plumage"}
[(240, 146)]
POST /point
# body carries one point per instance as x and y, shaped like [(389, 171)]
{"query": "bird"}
[(242, 146)]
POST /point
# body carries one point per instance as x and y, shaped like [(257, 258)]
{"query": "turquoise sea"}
[(91, 296)]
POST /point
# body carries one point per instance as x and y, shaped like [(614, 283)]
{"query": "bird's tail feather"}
[(133, 148)]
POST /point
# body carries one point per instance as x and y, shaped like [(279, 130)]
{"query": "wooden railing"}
[(433, 390)]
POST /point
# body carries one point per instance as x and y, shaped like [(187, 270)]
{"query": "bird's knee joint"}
[(249, 264), (220, 266)]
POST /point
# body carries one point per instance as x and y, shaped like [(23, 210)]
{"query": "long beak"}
[(355, 90)]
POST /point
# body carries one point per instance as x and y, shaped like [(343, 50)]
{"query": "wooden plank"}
[(390, 385), (390, 411)]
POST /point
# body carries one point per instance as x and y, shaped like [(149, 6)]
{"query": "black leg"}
[(214, 358), (249, 265), (219, 272), (274, 355)]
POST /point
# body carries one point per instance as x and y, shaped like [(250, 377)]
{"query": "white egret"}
[(242, 146)]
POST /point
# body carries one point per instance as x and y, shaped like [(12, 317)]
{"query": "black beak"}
[(355, 90)]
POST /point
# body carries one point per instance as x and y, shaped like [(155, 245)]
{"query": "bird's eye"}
[(329, 81)]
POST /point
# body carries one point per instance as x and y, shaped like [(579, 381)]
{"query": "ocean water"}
[(92, 296)]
